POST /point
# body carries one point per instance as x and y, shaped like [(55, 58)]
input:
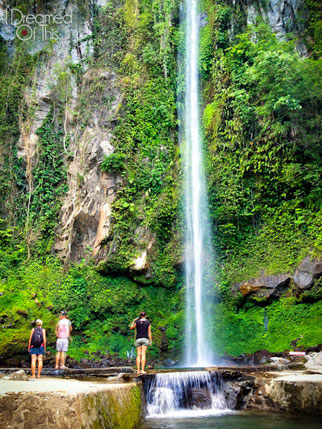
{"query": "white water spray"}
[(185, 394), (198, 248)]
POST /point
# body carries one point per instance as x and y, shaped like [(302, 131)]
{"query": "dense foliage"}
[(262, 125), (261, 121)]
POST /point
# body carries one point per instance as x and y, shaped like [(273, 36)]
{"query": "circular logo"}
[(24, 32)]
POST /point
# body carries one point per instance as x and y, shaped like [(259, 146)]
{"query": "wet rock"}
[(317, 349), (314, 361), (169, 362), (262, 357), (200, 398), (265, 286), (164, 339), (17, 375), (245, 359), (83, 365), (104, 362), (280, 362), (307, 272)]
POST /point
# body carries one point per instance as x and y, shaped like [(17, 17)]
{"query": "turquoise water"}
[(240, 420)]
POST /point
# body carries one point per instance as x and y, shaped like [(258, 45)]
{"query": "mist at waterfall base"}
[(199, 256)]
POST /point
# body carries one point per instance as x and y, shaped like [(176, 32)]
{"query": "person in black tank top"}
[(143, 340)]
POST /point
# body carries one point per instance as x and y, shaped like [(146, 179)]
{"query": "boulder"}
[(141, 263), (17, 375), (169, 362), (200, 398), (307, 272), (279, 361), (164, 339), (265, 286), (22, 312), (262, 356), (314, 361), (317, 349)]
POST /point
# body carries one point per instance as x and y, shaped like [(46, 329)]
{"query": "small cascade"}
[(183, 394)]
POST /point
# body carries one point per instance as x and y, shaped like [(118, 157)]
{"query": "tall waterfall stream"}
[(198, 248)]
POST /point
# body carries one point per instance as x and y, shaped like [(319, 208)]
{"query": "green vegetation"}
[(243, 331), (101, 307), (262, 127), (261, 139)]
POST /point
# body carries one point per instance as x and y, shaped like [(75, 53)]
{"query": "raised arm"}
[(133, 324)]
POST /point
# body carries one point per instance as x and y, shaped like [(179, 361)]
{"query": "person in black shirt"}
[(143, 340)]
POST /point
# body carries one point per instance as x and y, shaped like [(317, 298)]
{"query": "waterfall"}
[(199, 257), (184, 394)]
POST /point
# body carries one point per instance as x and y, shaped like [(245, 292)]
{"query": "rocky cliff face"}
[(84, 219), (81, 87), (284, 17), (87, 100)]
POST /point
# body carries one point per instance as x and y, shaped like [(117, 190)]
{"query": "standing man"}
[(63, 330), (143, 340)]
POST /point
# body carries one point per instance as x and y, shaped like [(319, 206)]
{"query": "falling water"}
[(184, 394), (198, 248)]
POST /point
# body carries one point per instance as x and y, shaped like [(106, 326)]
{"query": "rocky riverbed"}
[(117, 400)]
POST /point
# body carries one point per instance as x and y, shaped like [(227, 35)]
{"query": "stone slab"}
[(68, 404)]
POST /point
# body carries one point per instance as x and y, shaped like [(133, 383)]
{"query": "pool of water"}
[(237, 420)]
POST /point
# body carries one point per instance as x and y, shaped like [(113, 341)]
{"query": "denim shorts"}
[(141, 342), (37, 351)]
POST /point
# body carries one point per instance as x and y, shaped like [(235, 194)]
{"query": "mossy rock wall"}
[(108, 407)]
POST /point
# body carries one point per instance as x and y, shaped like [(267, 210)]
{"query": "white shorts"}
[(62, 344)]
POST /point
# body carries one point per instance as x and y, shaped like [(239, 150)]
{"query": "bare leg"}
[(57, 360), (138, 358), (33, 365), (143, 359), (62, 359), (40, 364)]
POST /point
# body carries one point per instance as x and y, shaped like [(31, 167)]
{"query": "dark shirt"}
[(142, 327)]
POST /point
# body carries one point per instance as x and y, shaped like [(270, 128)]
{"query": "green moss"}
[(236, 332), (118, 408), (15, 332)]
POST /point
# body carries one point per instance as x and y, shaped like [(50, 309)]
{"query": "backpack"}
[(37, 337)]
